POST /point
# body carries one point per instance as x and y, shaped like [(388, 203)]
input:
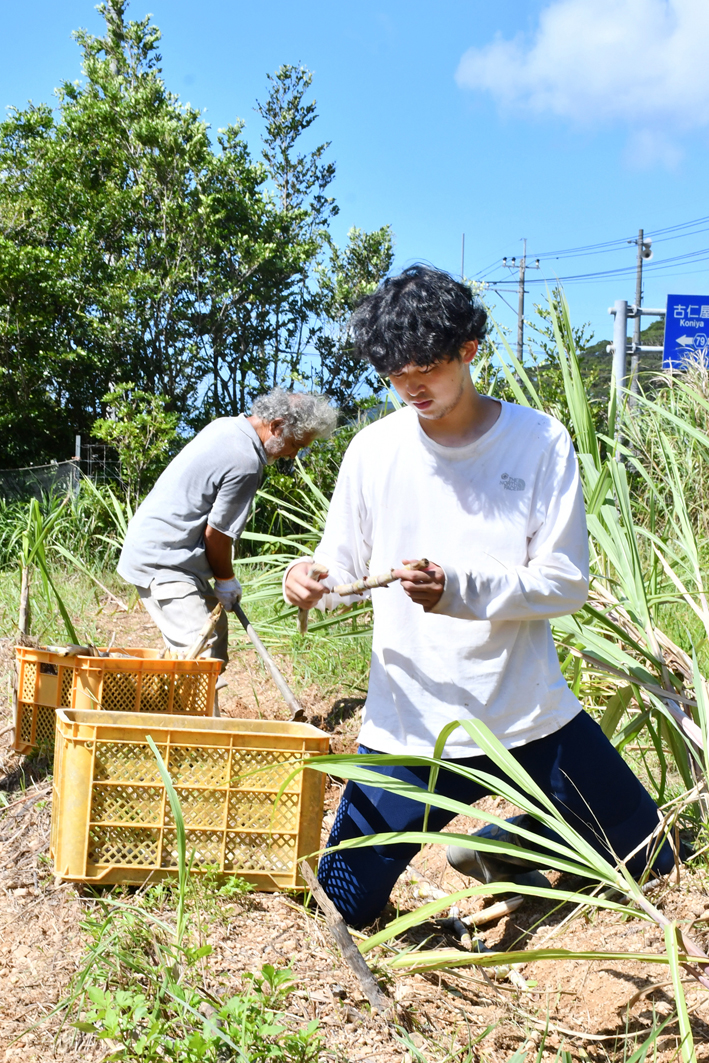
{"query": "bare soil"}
[(596, 1010)]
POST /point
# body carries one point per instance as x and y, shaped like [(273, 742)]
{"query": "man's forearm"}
[(218, 548)]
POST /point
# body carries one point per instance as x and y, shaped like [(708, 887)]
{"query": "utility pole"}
[(523, 267), (621, 312), (620, 342), (644, 252)]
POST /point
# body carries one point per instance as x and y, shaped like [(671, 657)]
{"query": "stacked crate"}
[(139, 681), (44, 684), (247, 808)]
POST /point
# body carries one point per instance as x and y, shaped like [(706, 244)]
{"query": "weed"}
[(183, 1024), (213, 893), (142, 989)]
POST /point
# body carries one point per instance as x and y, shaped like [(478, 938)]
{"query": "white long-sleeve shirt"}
[(504, 518)]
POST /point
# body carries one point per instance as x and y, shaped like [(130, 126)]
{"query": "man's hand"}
[(423, 586), (228, 591), (300, 589)]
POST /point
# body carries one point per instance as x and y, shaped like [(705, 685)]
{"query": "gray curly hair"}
[(304, 414)]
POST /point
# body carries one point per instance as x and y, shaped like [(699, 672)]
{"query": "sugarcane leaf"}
[(615, 709), (674, 952)]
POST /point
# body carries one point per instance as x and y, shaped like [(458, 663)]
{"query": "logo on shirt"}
[(511, 483)]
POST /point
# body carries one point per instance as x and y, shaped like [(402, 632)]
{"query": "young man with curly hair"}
[(490, 492)]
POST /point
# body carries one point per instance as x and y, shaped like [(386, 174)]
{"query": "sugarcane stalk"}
[(200, 644), (362, 585), (495, 911), (24, 618), (314, 572), (378, 999)]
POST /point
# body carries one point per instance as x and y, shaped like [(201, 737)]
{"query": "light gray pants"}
[(180, 610)]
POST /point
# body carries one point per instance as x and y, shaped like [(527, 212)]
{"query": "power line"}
[(607, 246), (620, 270), (505, 301), (682, 225), (621, 246), (497, 262), (667, 267), (613, 245), (677, 271), (679, 236)]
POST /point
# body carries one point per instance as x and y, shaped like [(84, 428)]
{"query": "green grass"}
[(85, 602), (337, 663)]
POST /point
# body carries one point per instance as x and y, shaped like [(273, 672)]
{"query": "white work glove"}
[(228, 591)]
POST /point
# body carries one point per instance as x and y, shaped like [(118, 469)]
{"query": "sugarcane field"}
[(354, 635)]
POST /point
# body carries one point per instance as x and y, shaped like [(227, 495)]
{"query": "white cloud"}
[(639, 63)]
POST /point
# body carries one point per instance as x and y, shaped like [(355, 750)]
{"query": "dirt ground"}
[(595, 1010)]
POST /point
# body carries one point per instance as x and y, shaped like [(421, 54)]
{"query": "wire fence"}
[(38, 481), (59, 477)]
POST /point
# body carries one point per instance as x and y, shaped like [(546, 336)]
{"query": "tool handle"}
[(297, 711)]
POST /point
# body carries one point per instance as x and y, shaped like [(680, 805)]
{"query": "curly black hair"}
[(422, 316)]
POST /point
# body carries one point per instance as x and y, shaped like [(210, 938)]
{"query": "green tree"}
[(112, 216), (44, 372), (300, 180), (349, 275), (143, 433), (166, 206), (134, 249), (264, 341)]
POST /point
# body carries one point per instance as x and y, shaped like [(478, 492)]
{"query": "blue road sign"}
[(686, 331)]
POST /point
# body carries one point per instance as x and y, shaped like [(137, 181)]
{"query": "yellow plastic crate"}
[(145, 683), (111, 819), (139, 683), (44, 683)]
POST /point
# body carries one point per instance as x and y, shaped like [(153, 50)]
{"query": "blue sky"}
[(569, 122)]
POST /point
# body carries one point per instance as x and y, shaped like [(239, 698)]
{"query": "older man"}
[(183, 533)]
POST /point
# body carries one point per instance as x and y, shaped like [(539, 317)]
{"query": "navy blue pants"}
[(577, 767)]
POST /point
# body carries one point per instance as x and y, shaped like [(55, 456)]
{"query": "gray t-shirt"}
[(212, 481)]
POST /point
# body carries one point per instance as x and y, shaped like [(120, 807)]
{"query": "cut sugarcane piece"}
[(362, 585)]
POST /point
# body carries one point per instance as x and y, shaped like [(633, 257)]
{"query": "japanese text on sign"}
[(686, 331)]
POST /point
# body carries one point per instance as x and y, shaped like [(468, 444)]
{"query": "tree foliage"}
[(142, 432), (350, 274), (135, 249)]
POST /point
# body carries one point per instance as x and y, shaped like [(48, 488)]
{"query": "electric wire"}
[(504, 300), (682, 225), (620, 247), (620, 242), (653, 267), (659, 235), (673, 266), (649, 267)]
